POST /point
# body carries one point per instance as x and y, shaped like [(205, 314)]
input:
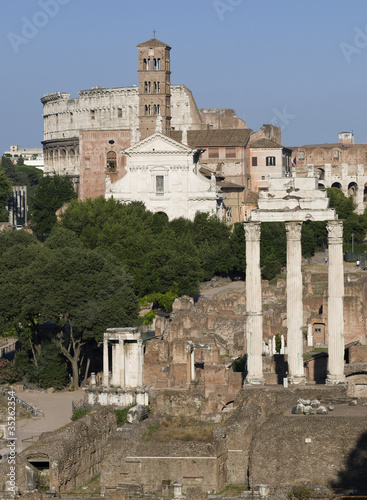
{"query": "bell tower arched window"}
[(111, 162)]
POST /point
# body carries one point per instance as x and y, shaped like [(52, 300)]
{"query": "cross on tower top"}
[(154, 32)]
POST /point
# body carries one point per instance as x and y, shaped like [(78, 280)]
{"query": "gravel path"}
[(57, 409)]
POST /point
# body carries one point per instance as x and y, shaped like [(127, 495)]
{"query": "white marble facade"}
[(163, 174), (124, 383)]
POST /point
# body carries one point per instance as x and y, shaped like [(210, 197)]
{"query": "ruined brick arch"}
[(336, 185), (321, 185), (352, 189), (227, 406), (321, 172), (365, 193)]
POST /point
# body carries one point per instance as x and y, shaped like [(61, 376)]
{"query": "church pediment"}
[(157, 144)]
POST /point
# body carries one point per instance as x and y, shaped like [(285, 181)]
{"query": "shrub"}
[(122, 415), (239, 365), (299, 493), (8, 372), (79, 413)]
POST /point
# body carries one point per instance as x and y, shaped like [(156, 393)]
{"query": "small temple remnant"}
[(123, 385), (294, 200)]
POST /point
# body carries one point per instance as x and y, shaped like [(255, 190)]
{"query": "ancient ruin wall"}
[(288, 449), (74, 452)]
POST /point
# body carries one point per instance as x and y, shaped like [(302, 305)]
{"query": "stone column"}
[(140, 363), (105, 363), (309, 335), (122, 363), (117, 366), (254, 318), (335, 304), (294, 304), (114, 374)]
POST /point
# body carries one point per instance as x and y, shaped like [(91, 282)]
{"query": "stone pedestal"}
[(254, 319), (294, 304), (335, 304)]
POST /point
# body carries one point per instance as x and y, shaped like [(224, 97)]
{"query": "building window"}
[(230, 152), (92, 114), (159, 184), (213, 152), (147, 110), (270, 161), (157, 64), (263, 177), (156, 109), (147, 87), (146, 64), (111, 161), (119, 112), (157, 87), (301, 155), (254, 161), (336, 155)]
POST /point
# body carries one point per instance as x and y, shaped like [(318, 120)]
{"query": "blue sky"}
[(300, 65)]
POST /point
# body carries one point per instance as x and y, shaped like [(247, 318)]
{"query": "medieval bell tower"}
[(154, 87)]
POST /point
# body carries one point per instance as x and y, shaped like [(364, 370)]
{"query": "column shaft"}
[(294, 303), (140, 348), (335, 304), (192, 365), (122, 365), (254, 319), (114, 374), (105, 363)]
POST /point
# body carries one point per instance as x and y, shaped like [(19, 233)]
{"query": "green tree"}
[(238, 249), (5, 191), (50, 195), (79, 291), (272, 249), (344, 206), (9, 169), (52, 367), (20, 161)]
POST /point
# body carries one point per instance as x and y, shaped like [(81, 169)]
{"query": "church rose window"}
[(111, 161)]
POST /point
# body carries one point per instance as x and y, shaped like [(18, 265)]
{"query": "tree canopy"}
[(50, 194), (79, 291), (5, 191)]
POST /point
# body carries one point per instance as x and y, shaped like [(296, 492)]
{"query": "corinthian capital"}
[(293, 230), (252, 231), (335, 232)]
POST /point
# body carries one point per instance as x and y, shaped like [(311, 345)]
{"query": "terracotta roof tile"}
[(153, 42), (221, 137), (265, 143)]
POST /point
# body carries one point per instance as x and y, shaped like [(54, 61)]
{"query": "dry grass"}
[(20, 412), (179, 429), (92, 488)]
